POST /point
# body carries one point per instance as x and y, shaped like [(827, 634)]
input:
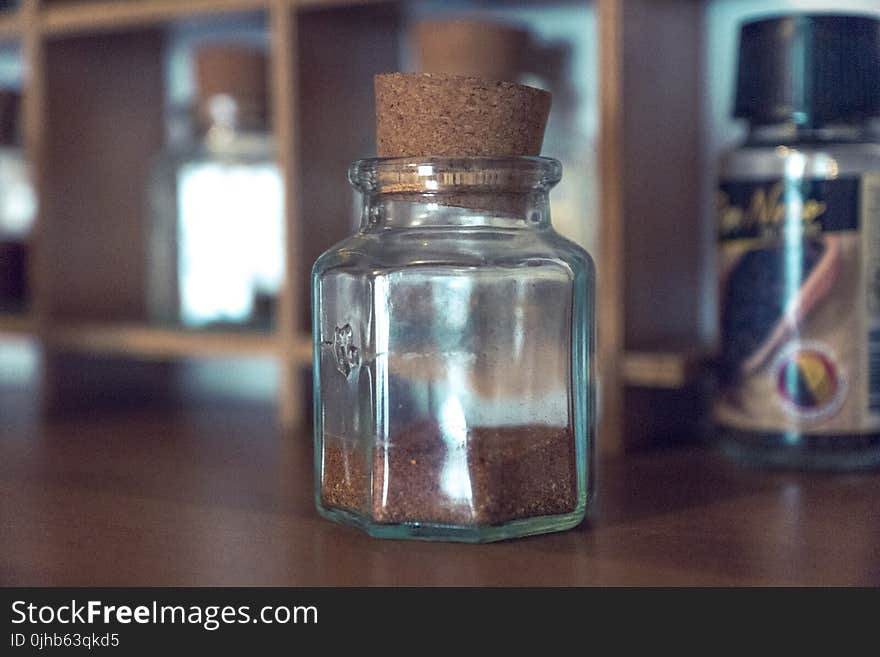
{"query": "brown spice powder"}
[(498, 474)]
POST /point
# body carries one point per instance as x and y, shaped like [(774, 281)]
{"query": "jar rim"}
[(436, 175)]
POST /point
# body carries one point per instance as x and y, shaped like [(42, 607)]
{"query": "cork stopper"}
[(237, 71), (482, 48), (430, 114)]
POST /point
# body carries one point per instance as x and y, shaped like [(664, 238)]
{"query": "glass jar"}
[(799, 222), (453, 355), (215, 253)]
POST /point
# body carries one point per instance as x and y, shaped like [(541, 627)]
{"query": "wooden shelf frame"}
[(159, 342), (17, 324), (94, 16), (102, 15), (43, 27)]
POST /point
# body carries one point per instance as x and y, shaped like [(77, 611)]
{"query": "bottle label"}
[(800, 305)]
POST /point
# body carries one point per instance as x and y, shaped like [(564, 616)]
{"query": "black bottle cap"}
[(810, 69)]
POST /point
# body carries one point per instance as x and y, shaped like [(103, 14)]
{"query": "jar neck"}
[(461, 193), (787, 133), (470, 211)]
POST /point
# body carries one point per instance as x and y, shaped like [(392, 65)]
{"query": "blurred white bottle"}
[(215, 250)]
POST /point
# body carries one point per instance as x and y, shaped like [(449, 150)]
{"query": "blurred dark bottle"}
[(799, 257), (215, 246), (17, 207)]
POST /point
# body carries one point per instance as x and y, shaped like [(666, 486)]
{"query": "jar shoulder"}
[(390, 250)]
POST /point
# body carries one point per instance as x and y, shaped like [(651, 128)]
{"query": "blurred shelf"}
[(645, 369), (308, 4), (108, 15), (662, 369), (11, 24), (103, 15), (15, 324), (651, 50), (159, 342)]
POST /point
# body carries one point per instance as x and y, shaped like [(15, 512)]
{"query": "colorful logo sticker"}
[(809, 381)]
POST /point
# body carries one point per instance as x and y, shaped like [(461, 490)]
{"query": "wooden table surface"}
[(218, 496)]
